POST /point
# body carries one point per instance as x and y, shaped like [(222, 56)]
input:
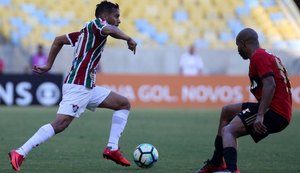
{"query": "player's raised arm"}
[(115, 32), (57, 44)]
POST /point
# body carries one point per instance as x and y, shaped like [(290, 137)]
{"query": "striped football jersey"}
[(89, 44)]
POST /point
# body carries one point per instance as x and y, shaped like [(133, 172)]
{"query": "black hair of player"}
[(105, 7)]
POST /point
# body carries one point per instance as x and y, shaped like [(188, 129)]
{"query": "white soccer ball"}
[(145, 155)]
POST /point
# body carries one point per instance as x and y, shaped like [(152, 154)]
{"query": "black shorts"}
[(273, 121)]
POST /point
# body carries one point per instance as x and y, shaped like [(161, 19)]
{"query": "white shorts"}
[(76, 98)]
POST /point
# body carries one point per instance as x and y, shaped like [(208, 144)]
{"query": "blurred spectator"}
[(2, 66), (38, 59), (190, 63)]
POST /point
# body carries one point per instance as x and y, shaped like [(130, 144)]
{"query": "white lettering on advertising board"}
[(204, 93)]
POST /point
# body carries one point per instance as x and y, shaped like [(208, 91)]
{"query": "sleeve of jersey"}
[(263, 65), (99, 25), (73, 37)]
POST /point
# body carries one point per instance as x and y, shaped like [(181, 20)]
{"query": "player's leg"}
[(227, 114), (239, 126), (71, 106), (230, 133), (45, 132), (216, 162), (121, 107), (42, 135), (105, 98), (61, 122)]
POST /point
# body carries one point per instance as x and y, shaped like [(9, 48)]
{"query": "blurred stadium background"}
[(163, 29)]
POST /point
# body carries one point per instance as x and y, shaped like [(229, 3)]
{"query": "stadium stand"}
[(208, 23)]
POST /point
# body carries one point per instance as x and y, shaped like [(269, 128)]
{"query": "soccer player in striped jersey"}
[(79, 90)]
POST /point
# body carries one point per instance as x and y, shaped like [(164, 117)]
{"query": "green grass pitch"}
[(184, 139)]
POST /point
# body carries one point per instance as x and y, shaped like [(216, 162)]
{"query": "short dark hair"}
[(105, 6)]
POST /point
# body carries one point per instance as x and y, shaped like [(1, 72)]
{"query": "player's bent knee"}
[(226, 130), (232, 130), (125, 104), (225, 112), (223, 130), (227, 109), (230, 111), (122, 103)]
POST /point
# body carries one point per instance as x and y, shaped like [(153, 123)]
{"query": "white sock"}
[(119, 120), (43, 134)]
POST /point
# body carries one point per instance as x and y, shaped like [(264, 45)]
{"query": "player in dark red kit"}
[(271, 114)]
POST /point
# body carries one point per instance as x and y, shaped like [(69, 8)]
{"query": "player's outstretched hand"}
[(132, 45), (40, 70)]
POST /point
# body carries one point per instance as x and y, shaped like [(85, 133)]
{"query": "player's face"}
[(114, 18), (241, 46)]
